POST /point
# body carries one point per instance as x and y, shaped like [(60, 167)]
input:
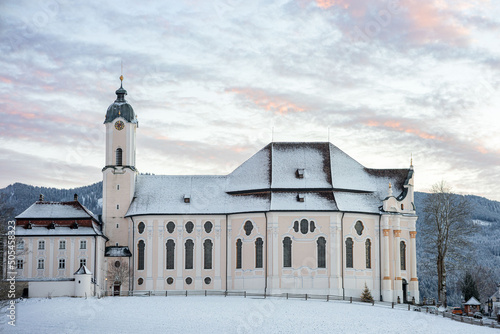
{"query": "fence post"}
[(225, 293), (287, 296), (186, 293), (350, 300), (306, 296), (408, 307), (373, 302), (392, 304), (327, 298), (205, 293), (245, 293), (166, 293)]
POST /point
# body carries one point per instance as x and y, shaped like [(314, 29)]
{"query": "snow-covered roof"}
[(83, 270), (57, 210), (59, 230), (117, 251), (271, 180), (472, 301)]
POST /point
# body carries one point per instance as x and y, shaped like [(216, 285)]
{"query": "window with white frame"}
[(62, 244), (20, 245), (83, 262), (62, 263), (83, 244), (20, 264), (41, 244), (41, 264)]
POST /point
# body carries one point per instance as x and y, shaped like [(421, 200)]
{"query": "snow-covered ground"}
[(214, 314)]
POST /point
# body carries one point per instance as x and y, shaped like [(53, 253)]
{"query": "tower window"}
[(140, 252), (321, 252), (189, 254), (287, 252), (402, 249), (119, 154), (238, 253), (170, 254), (368, 247), (258, 253), (117, 187), (207, 247), (348, 253)]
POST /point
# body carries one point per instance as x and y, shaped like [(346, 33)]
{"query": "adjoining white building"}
[(295, 217), (57, 242)]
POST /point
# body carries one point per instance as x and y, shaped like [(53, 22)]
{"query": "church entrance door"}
[(405, 291), (116, 290)]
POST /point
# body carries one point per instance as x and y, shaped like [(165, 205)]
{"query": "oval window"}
[(141, 227), (140, 281), (170, 227), (189, 280), (208, 280), (189, 227), (170, 280), (359, 227), (117, 264), (296, 226), (304, 226), (248, 227), (208, 227), (312, 226)]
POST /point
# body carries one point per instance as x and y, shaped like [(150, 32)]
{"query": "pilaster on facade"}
[(413, 286)]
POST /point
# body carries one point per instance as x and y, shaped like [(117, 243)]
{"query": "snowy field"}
[(214, 314)]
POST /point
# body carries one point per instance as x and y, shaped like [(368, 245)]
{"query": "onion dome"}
[(120, 108)]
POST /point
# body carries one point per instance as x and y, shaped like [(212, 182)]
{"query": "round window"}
[(208, 227), (170, 280), (141, 227), (208, 280), (140, 281), (189, 280), (189, 227), (117, 264), (359, 227), (170, 227)]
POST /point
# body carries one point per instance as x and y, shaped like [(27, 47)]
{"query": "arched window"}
[(140, 255), (189, 253), (402, 249), (348, 253), (170, 254), (170, 227), (304, 226), (368, 251), (258, 253), (238, 253), (321, 252), (208, 227), (248, 227), (189, 227), (141, 227), (287, 252), (119, 153), (207, 248)]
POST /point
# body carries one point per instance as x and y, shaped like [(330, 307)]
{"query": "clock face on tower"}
[(119, 125)]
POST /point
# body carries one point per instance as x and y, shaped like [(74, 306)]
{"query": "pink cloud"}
[(262, 99)]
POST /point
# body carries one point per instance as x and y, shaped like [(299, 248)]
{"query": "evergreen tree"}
[(469, 287), (366, 295)]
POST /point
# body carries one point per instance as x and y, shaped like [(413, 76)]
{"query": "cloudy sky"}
[(210, 80)]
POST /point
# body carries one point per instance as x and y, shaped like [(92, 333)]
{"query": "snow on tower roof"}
[(271, 180), (83, 270)]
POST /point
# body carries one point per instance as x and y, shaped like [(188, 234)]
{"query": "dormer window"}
[(300, 197), (187, 198), (300, 173), (52, 226), (29, 226)]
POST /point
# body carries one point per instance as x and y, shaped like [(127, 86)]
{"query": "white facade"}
[(295, 217)]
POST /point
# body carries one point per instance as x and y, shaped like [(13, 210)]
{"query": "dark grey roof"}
[(57, 210), (268, 181), (117, 251), (120, 108)]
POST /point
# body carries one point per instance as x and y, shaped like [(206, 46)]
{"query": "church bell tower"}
[(119, 172)]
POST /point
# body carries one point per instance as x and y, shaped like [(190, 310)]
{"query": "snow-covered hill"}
[(214, 314)]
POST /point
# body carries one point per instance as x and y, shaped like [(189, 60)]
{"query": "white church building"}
[(298, 217)]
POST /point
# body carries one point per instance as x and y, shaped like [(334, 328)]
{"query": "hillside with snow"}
[(218, 314)]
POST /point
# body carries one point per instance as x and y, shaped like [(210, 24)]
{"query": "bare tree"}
[(447, 230), (119, 272)]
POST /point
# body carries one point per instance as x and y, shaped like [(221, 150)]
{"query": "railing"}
[(302, 296)]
